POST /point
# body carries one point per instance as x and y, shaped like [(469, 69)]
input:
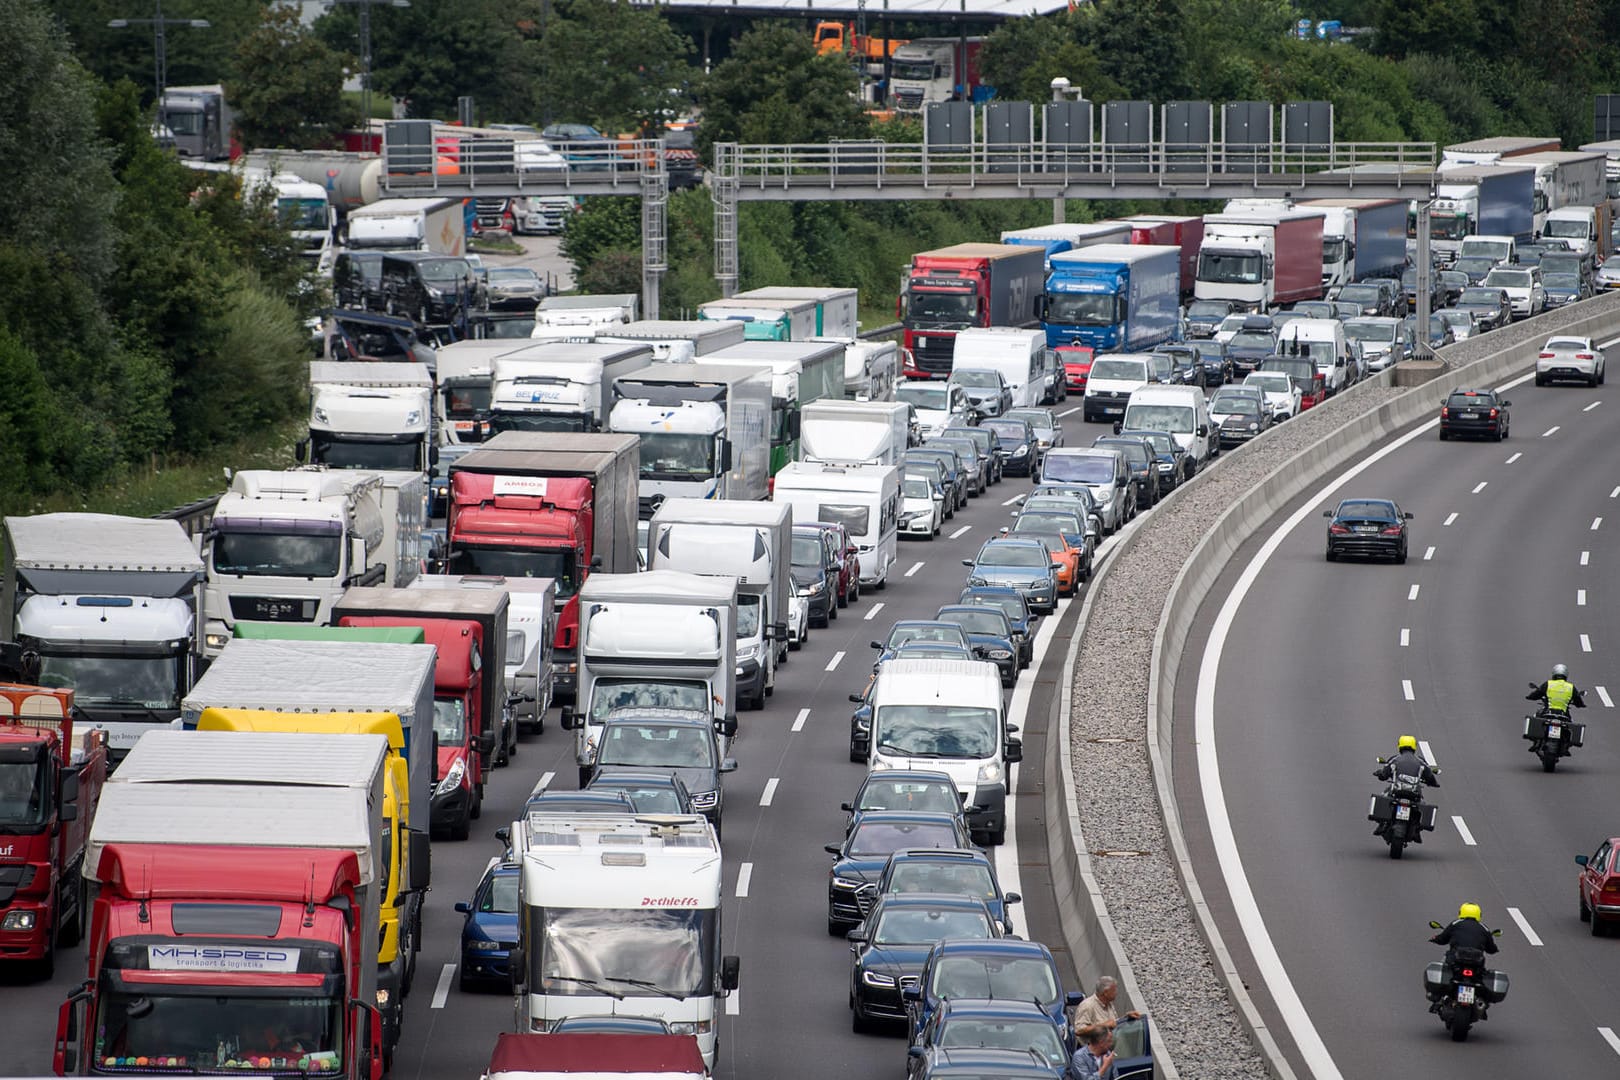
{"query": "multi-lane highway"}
[(1305, 671), (790, 1017)]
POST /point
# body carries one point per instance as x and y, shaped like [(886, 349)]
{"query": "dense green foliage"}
[(287, 88)]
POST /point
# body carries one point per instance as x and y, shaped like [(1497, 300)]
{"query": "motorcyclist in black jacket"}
[(1408, 762), (1466, 932)]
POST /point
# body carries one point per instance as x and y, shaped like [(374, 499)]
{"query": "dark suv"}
[(357, 280), (678, 741), (426, 287), (814, 570)]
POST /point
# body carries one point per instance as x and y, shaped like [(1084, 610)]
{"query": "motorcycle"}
[(1461, 993), (1401, 815), (1552, 735)]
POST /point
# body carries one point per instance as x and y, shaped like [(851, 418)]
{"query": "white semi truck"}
[(463, 383), (370, 416), (580, 317), (436, 225), (751, 541), (677, 340), (283, 546), (110, 605), (559, 385)]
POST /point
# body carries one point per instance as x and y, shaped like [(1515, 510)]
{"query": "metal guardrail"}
[(193, 516), (504, 167), (753, 167)]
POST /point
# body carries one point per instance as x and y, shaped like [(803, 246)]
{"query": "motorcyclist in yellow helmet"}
[(1409, 764), (1465, 932)]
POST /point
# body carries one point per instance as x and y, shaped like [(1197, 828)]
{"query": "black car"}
[(1011, 604), (989, 635), (670, 740), (980, 1062), (1255, 341), (1204, 317), (1143, 461), (1016, 443), (905, 789), (1217, 365), (1451, 284), (1241, 417), (815, 574), (357, 280), (1372, 528), (1474, 268), (1370, 298), (649, 791), (956, 479), (892, 942), (970, 1022), (1491, 307), (955, 871), (568, 803), (1474, 412), (428, 288), (1409, 288), (872, 837)]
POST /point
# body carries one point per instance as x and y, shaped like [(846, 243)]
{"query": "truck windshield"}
[(339, 453), (1332, 249), (1230, 267), (1081, 309), (610, 694), (668, 455), (23, 797), (196, 1028), (450, 721), (1448, 228), (141, 682), (636, 952), (500, 421), (940, 731), (302, 214), (915, 70), (483, 560), (256, 554), (1569, 229), (748, 607), (943, 309), (924, 397), (462, 401)]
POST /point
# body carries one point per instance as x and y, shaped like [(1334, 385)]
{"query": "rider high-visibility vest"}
[(1560, 692)]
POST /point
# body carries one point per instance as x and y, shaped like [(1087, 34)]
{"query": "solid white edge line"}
[(1586, 643), (1406, 636), (441, 992), (1412, 593), (1428, 752), (1313, 1051), (1479, 487), (1524, 926), (1603, 696), (1611, 1038), (872, 613), (916, 566), (745, 874), (837, 658), (1450, 518), (798, 721), (1406, 690), (959, 533), (1462, 828), (733, 1003), (769, 793)]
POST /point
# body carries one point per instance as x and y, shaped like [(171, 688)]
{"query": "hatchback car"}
[(1474, 412), (1252, 344), (578, 802), (1564, 288), (670, 740), (1371, 298), (905, 631), (1100, 470), (894, 939), (1065, 536), (981, 1063), (964, 872), (974, 467), (1439, 333), (987, 390), (938, 476), (1024, 564), (922, 507), (1175, 465), (1570, 359), (969, 1022), (848, 555), (650, 791), (872, 836), (1217, 365), (1461, 322), (1048, 428), (1379, 339), (1474, 268), (1371, 528), (989, 635), (1450, 284), (1005, 969), (957, 482), (1011, 603), (1076, 361), (814, 570), (1017, 444), (1599, 887), (1281, 393), (1239, 416), (489, 933), (1490, 307), (1076, 500)]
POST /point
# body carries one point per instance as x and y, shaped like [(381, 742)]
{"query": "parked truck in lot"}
[(1261, 261), (855, 432), (584, 314), (1565, 179), (1481, 200), (779, 311), (704, 430), (662, 639), (677, 340), (1113, 297), (967, 285), (649, 886), (110, 608), (227, 915), (595, 1056), (552, 505), (560, 385), (54, 778), (436, 225), (531, 630), (1060, 238), (801, 372), (752, 542), (926, 70), (370, 415), (282, 546), (1361, 238)]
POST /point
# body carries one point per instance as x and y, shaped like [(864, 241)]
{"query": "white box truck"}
[(679, 341), (559, 385), (837, 309), (864, 498), (581, 316), (436, 225), (855, 432), (372, 415), (463, 383), (801, 372)]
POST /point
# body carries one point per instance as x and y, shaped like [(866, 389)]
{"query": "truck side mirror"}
[(730, 971), (728, 728), (418, 853), (433, 456), (1013, 751), (793, 425), (1203, 430), (725, 455), (504, 835), (301, 451), (68, 812), (70, 787)]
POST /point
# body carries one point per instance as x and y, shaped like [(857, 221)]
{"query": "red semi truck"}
[(962, 287), (472, 725), (1185, 233), (49, 788), (547, 504)]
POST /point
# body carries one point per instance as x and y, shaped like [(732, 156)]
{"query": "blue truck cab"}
[(1113, 297)]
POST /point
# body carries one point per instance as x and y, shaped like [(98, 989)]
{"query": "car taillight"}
[(1445, 411), (1546, 356), (1612, 887), (1583, 356), (1468, 973), (1392, 530), (1493, 414), (1339, 530)]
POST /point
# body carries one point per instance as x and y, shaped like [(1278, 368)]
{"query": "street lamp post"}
[(364, 12), (160, 40)]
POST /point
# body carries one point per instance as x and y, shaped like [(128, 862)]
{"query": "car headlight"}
[(850, 884), (877, 978), (990, 773), (18, 920), (483, 946), (705, 800), (817, 588), (320, 415), (691, 1027), (998, 654), (452, 779), (747, 652), (975, 580), (1254, 426), (1021, 451), (216, 641), (382, 998)]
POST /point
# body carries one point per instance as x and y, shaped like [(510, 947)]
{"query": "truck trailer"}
[(1261, 261), (966, 285), (531, 630), (560, 385), (436, 225), (1059, 238), (678, 341), (1186, 233), (1361, 238), (837, 309), (801, 372), (1481, 200)]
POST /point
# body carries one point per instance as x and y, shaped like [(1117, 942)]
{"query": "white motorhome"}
[(865, 499), (1183, 411), (621, 916), (947, 715), (855, 432), (1018, 354), (531, 629), (560, 385), (371, 415), (870, 368)]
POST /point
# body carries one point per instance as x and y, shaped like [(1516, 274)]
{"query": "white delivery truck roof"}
[(369, 374), (255, 757), (101, 542), (969, 683), (315, 676), (673, 586), (816, 476)]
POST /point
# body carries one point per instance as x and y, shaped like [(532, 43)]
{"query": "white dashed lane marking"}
[(745, 873), (1406, 636), (1413, 594), (1449, 519), (957, 535), (1512, 459), (837, 658), (798, 721), (1586, 643), (1592, 406), (769, 794), (1524, 926), (914, 568), (1549, 431), (1580, 597), (1462, 829), (1479, 487), (872, 614), (1429, 554), (1586, 557), (1406, 689), (441, 992), (1603, 696)]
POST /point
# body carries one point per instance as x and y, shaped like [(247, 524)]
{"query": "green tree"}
[(193, 55), (288, 86), (602, 225), (775, 89), (608, 64), (1142, 45)]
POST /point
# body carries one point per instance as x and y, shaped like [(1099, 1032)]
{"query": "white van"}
[(1113, 379), (1503, 249), (865, 499), (1325, 342), (1018, 354), (1183, 411), (947, 715)]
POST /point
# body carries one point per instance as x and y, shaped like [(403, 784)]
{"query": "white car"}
[(1229, 326), (937, 404), (922, 507), (1608, 275), (1523, 287), (798, 621), (1569, 359), (1281, 393)]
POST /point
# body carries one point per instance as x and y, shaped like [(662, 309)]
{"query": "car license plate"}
[(1468, 416), (1555, 731), (1403, 813), (1465, 995), (1366, 528), (1114, 409)]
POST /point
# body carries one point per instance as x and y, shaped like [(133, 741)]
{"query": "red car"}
[(1076, 366), (1600, 887), (849, 563)]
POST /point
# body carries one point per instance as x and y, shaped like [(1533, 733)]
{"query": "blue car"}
[(1008, 1024), (490, 932), (979, 1062), (1007, 968), (872, 837), (989, 634), (892, 943)]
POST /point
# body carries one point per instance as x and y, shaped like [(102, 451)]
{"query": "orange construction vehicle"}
[(834, 37)]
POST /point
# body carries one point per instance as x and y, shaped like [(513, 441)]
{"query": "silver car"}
[(514, 287)]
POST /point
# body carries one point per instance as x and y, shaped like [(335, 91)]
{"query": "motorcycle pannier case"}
[(1496, 986), (1381, 809), (1435, 979), (1535, 727), (1429, 811)]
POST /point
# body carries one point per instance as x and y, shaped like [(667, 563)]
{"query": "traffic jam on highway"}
[(530, 612)]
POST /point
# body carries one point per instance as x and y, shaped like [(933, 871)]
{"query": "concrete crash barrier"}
[(1130, 902)]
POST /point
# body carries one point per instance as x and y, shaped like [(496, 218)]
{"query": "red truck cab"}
[(49, 788), (962, 287)]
